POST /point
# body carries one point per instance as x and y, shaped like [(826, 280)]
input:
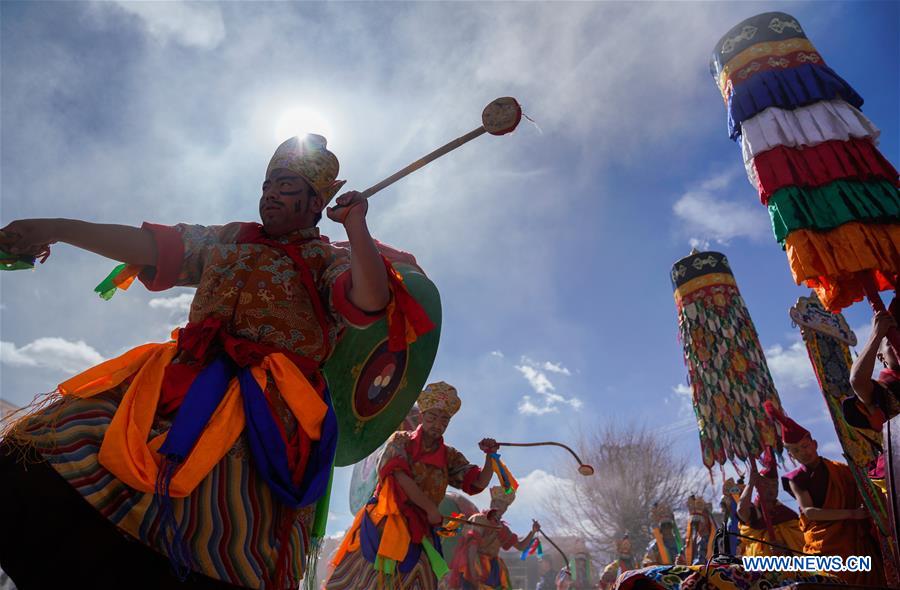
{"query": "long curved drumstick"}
[(500, 117), (583, 468), (469, 523)]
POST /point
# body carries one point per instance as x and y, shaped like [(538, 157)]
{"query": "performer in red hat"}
[(767, 518), (831, 515)]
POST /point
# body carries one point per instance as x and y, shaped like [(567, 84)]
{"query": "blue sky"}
[(551, 247)]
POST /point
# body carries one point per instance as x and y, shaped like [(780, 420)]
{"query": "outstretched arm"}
[(118, 242), (369, 289), (745, 504), (864, 365)]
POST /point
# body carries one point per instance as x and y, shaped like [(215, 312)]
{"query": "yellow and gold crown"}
[(439, 396), (308, 157)]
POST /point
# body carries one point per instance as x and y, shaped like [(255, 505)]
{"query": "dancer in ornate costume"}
[(215, 448), (394, 539), (477, 564)]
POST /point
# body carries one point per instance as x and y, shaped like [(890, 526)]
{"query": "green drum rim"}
[(367, 413)]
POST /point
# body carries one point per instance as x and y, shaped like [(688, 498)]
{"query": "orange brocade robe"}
[(843, 537)]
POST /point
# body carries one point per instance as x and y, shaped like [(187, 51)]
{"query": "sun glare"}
[(300, 121)]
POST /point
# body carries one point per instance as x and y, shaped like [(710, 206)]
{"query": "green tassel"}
[(106, 289), (679, 544), (438, 565), (13, 262)]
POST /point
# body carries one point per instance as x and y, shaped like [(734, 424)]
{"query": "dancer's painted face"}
[(435, 423), (287, 203)]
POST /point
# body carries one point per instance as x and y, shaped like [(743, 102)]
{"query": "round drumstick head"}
[(585, 470), (502, 116)]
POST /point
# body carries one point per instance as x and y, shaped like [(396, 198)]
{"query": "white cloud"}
[(701, 245), (684, 390), (705, 214), (497, 353), (527, 407), (684, 398), (555, 368), (540, 383), (52, 353), (180, 303), (194, 24), (538, 380), (790, 366)]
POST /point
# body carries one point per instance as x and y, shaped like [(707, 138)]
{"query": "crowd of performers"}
[(832, 519), (205, 461)]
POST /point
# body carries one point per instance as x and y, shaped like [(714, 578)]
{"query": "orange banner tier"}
[(831, 262)]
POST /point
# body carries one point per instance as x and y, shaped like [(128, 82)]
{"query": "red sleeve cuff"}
[(468, 483), (342, 304), (169, 258)]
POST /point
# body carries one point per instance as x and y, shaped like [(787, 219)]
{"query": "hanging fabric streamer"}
[(532, 549), (121, 277), (506, 478)]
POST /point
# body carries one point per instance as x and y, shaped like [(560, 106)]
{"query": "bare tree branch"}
[(635, 467)]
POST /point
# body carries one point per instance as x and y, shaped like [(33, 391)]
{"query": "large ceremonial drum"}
[(373, 388), (728, 373)]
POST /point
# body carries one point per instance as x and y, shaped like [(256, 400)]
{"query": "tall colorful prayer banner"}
[(812, 156), (727, 370)]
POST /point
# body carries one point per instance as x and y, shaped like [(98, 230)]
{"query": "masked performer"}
[(214, 448), (394, 537)]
